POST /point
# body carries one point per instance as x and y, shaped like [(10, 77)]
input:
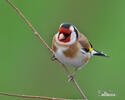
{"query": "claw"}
[(71, 77), (53, 58)]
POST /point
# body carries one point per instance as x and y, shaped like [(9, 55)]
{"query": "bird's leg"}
[(53, 58), (71, 77)]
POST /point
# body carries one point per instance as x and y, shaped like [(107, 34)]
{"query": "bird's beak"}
[(61, 36)]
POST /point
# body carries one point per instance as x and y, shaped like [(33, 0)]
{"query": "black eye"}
[(66, 35)]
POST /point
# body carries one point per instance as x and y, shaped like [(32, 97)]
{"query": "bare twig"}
[(26, 96), (51, 51)]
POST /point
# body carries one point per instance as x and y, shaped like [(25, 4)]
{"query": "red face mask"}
[(66, 32)]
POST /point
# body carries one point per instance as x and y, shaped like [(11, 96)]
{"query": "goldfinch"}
[(71, 47)]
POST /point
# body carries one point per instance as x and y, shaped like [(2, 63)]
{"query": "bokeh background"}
[(25, 64)]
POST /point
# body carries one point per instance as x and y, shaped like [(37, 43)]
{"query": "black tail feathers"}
[(97, 53)]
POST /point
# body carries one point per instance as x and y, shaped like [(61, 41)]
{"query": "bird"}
[(72, 47)]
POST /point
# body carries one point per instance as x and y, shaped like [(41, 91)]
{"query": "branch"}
[(51, 51), (26, 96)]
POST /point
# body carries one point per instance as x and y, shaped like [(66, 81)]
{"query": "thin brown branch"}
[(51, 51), (27, 96)]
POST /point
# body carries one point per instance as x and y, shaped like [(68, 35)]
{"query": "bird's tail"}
[(97, 53)]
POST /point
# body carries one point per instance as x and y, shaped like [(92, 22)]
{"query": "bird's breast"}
[(71, 55)]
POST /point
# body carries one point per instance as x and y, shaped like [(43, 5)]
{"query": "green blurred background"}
[(25, 64)]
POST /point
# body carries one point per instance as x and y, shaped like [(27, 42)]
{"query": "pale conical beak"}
[(61, 36)]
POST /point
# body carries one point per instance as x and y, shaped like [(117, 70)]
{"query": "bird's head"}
[(67, 33)]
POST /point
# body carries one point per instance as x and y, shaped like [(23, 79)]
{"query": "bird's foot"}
[(53, 58), (71, 77)]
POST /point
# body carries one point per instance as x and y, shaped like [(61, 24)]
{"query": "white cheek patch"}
[(72, 28), (73, 36)]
